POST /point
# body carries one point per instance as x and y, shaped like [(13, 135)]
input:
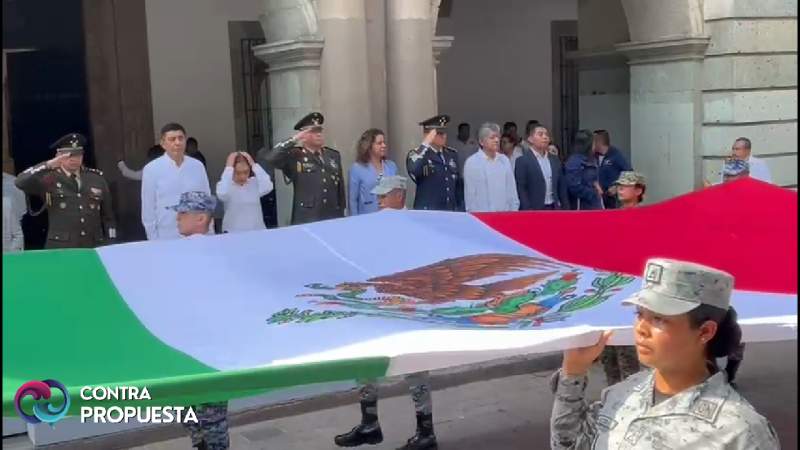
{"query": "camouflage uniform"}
[(369, 430), (633, 414), (619, 362), (418, 385), (710, 415), (211, 430)]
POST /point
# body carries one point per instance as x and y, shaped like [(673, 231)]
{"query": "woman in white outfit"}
[(240, 189)]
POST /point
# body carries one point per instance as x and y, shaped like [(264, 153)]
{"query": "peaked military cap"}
[(313, 119), (195, 201), (673, 287), (72, 143), (629, 178), (735, 167), (436, 122)]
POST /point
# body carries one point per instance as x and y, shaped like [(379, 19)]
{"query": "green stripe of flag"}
[(64, 319)]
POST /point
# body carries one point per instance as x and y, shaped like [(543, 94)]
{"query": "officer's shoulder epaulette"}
[(333, 150), (450, 149), (97, 171)]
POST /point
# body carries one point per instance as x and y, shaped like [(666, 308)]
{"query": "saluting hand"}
[(55, 163), (300, 137), (429, 137), (577, 361)]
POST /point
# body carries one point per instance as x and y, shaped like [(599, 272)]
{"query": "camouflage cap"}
[(388, 184), (195, 201), (673, 287), (735, 167), (629, 178)]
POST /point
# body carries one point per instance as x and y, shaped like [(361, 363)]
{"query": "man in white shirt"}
[(164, 180), (489, 183), (742, 151)]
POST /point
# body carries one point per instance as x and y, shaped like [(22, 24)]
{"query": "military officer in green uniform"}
[(76, 197), (314, 169)]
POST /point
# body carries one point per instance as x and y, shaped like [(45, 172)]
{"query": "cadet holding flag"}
[(314, 169), (76, 197), (434, 168), (683, 322)]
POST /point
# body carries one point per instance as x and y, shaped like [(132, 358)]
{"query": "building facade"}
[(674, 82)]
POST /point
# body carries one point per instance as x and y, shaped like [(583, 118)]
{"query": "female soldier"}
[(683, 322)]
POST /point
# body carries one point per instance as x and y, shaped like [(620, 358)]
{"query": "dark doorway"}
[(46, 87)]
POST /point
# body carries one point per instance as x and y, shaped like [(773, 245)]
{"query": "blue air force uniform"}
[(435, 172)]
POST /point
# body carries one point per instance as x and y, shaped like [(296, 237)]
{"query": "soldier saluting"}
[(314, 169), (434, 168), (76, 197)]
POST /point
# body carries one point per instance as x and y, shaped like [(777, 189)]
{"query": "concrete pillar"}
[(344, 76), (376, 56), (666, 112), (410, 74), (440, 45), (293, 54), (294, 87)]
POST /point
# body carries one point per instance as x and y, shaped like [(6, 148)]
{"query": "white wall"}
[(499, 67), (190, 70)]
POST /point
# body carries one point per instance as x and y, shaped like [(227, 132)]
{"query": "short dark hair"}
[(582, 144), (507, 125), (602, 136), (745, 141), (463, 124), (529, 126), (728, 335), (172, 126), (535, 127), (191, 141)]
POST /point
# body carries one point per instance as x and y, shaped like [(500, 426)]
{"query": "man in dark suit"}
[(540, 179), (313, 169)]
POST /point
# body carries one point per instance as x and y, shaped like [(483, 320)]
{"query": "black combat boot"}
[(730, 369), (367, 432), (424, 439)]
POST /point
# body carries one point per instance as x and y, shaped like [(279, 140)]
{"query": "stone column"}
[(440, 44), (667, 113), (410, 74), (294, 91), (344, 76)]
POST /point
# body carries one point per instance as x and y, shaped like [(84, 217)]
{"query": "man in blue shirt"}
[(611, 163)]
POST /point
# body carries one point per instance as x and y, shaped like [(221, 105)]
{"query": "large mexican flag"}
[(395, 292)]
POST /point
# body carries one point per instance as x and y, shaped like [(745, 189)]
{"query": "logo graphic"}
[(43, 411)]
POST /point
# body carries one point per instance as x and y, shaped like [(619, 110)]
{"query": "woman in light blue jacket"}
[(371, 165)]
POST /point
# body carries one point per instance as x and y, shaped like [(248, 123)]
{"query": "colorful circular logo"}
[(42, 411)]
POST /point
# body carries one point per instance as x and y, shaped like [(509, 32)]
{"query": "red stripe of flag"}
[(747, 228)]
